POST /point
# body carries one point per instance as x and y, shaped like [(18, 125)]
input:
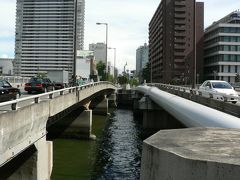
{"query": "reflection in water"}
[(120, 151)]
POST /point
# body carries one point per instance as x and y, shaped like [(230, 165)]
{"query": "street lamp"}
[(114, 64), (98, 23), (194, 46)]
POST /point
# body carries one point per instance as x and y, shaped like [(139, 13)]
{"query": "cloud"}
[(217, 9), (127, 19), (127, 25), (7, 28)]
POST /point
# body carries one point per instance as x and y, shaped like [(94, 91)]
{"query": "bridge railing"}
[(173, 88), (49, 95), (190, 113)]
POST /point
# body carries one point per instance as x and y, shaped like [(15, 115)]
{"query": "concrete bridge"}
[(23, 125), (205, 147)]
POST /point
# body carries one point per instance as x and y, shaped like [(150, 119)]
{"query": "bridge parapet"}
[(197, 96), (189, 113), (21, 127)]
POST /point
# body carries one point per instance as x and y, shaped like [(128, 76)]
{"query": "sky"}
[(127, 24)]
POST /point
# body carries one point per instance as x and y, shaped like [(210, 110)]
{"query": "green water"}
[(75, 159)]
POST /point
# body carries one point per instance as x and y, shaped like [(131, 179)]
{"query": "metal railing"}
[(168, 87), (50, 95), (191, 114), (15, 79)]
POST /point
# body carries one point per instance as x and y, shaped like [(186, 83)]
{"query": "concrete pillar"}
[(39, 165), (112, 100), (81, 127), (156, 118), (192, 153), (102, 107)]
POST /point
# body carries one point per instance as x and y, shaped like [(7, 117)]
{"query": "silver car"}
[(220, 90)]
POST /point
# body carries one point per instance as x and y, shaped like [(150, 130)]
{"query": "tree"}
[(122, 80), (134, 81), (237, 77), (146, 72), (101, 68)]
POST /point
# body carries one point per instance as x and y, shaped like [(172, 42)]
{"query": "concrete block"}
[(102, 107), (192, 154), (81, 127)]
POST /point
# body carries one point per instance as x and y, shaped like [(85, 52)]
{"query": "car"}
[(219, 89), (39, 84), (7, 92), (58, 85)]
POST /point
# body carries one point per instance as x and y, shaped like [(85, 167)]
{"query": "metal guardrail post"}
[(36, 100), (51, 96), (14, 106)]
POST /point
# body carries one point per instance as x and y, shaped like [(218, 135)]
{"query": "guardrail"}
[(168, 87), (37, 98), (15, 79), (191, 114)]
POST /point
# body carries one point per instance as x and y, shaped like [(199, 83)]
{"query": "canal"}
[(115, 154)]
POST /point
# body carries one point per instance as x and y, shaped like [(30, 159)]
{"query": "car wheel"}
[(234, 102)]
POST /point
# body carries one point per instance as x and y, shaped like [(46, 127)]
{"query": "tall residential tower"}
[(171, 41), (48, 33)]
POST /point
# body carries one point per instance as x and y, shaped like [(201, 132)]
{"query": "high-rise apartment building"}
[(171, 39), (48, 33), (222, 48), (141, 59)]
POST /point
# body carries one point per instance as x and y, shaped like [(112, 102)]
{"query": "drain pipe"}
[(189, 113)]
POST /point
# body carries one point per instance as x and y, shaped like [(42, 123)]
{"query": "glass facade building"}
[(48, 33), (141, 59), (222, 48)]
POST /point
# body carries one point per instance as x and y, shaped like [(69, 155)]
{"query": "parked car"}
[(39, 84), (7, 92), (58, 85), (218, 89)]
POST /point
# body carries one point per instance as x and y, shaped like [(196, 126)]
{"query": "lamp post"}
[(114, 64), (194, 46), (98, 23)]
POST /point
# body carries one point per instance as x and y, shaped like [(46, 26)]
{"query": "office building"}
[(6, 66), (171, 41), (222, 48), (48, 35), (141, 59), (99, 51)]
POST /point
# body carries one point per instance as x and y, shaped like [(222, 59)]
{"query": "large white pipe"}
[(189, 113)]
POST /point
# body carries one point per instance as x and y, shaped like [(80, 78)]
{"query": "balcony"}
[(180, 3), (180, 9), (180, 21), (179, 15)]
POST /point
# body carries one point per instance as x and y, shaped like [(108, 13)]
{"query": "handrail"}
[(190, 90), (50, 94), (191, 114)]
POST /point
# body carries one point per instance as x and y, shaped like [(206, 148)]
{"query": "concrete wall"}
[(192, 154), (25, 126)]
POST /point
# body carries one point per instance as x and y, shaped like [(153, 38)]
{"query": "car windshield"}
[(35, 80), (4, 84), (221, 85)]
